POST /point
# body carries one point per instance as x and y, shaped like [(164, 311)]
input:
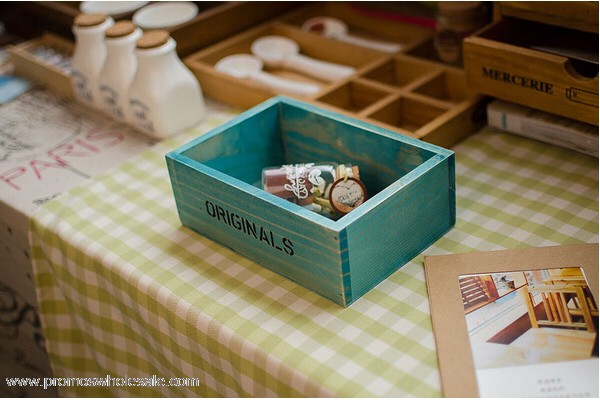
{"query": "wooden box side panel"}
[(31, 67), (227, 89), (382, 158), (535, 79), (222, 21), (365, 22), (273, 237), (244, 147), (456, 123), (418, 215), (580, 15)]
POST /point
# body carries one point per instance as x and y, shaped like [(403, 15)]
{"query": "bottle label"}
[(329, 189), (81, 84), (111, 101), (297, 175), (142, 115)]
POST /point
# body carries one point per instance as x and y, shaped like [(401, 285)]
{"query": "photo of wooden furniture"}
[(567, 305)]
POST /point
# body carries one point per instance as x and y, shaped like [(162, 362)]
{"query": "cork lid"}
[(120, 29), (87, 20), (153, 39)]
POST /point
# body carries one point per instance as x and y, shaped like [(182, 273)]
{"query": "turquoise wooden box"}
[(411, 186)]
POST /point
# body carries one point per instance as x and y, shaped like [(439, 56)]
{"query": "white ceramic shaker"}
[(165, 96), (88, 56), (119, 69)]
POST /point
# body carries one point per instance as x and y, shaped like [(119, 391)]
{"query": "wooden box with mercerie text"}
[(411, 203), (548, 61)]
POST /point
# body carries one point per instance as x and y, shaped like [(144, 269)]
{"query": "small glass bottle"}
[(119, 69), (327, 188), (165, 96), (299, 183), (88, 56)]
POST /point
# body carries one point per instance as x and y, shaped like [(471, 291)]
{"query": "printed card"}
[(516, 323)]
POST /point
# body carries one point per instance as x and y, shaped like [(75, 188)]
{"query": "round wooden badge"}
[(346, 194)]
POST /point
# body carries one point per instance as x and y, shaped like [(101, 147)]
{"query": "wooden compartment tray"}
[(410, 95), (364, 22), (220, 21)]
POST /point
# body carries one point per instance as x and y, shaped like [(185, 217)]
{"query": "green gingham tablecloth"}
[(126, 291)]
